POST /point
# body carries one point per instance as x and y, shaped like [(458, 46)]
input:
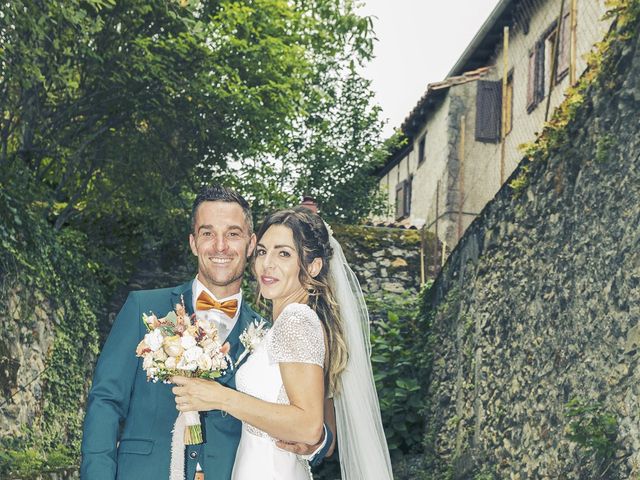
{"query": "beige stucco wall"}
[(589, 29), (481, 166)]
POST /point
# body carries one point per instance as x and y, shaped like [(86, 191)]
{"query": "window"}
[(488, 111), (541, 60), (421, 146), (535, 83), (549, 51), (564, 48), (403, 199)]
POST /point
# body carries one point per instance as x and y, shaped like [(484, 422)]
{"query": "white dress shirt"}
[(222, 321)]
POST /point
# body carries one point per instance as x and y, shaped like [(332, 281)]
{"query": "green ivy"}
[(595, 430), (400, 362), (58, 268), (400, 358)]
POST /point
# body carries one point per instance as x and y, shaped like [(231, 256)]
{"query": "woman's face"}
[(277, 267)]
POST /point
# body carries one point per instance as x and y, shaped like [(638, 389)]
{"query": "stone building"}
[(464, 134)]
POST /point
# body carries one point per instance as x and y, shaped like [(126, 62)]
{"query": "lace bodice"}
[(297, 336)]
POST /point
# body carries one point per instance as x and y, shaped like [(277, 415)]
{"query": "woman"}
[(318, 346)]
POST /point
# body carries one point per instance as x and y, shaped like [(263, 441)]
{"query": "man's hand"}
[(299, 448)]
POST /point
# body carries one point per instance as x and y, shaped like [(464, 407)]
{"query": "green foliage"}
[(521, 182), (24, 462), (32, 461), (332, 149), (604, 144), (484, 475), (56, 268), (400, 365), (594, 429)]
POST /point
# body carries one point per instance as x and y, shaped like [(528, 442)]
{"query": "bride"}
[(317, 348)]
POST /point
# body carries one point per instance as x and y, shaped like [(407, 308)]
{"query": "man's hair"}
[(218, 193)]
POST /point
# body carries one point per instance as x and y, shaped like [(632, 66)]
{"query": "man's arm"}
[(108, 401)]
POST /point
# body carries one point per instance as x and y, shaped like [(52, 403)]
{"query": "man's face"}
[(222, 243)]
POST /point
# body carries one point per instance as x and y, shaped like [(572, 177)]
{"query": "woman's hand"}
[(197, 394)]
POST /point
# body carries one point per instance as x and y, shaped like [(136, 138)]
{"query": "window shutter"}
[(400, 200), (488, 110), (421, 147), (564, 47), (539, 75), (407, 196), (531, 80)]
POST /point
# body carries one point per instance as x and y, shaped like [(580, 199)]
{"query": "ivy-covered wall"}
[(50, 303), (536, 317)]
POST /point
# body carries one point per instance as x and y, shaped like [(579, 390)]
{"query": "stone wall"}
[(27, 328), (539, 306), (385, 260)]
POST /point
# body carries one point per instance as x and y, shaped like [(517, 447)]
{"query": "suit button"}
[(193, 454)]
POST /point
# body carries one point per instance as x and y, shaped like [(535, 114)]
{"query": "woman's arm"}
[(301, 421)]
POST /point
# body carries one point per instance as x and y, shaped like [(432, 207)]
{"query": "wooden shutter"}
[(488, 111), (539, 90), (508, 97), (564, 47), (400, 200), (531, 80), (407, 196)]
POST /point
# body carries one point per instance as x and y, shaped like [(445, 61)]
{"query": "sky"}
[(419, 41)]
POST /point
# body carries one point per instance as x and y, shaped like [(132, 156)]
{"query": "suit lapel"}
[(183, 292)]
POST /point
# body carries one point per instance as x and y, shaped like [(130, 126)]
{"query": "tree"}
[(102, 100), (332, 148)]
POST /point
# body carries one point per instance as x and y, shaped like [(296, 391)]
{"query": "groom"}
[(128, 423)]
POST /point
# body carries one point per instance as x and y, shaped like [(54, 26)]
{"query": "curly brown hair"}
[(311, 239)]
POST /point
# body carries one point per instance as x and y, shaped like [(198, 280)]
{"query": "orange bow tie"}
[(205, 302)]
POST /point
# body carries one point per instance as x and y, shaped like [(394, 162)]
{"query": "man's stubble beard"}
[(237, 277)]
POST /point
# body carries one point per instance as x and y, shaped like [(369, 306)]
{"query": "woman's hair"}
[(312, 241)]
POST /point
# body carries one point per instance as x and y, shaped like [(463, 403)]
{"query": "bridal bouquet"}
[(181, 345)]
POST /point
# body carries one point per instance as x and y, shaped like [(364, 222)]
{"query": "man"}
[(128, 423)]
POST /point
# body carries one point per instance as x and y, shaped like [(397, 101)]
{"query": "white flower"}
[(192, 354), (187, 342), (170, 363), (172, 346), (211, 348), (160, 355), (147, 363), (204, 362), (154, 339), (253, 335), (218, 363), (149, 319), (207, 325), (184, 365)]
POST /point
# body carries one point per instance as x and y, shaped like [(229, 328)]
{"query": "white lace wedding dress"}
[(296, 336)]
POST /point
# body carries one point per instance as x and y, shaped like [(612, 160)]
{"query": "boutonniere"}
[(252, 337)]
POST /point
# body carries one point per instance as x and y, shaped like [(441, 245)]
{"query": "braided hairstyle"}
[(311, 240)]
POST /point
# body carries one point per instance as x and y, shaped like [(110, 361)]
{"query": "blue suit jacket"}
[(128, 422)]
